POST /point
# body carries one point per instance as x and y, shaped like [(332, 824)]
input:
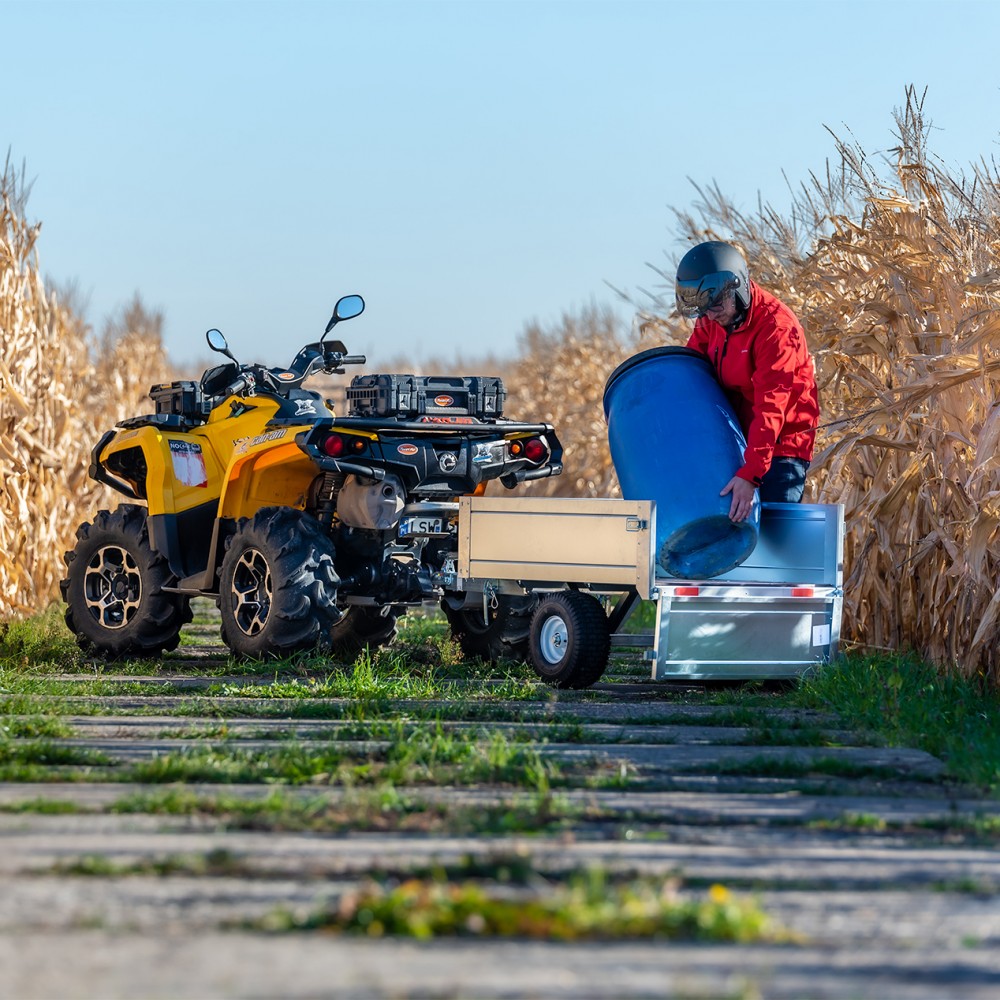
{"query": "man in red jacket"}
[(762, 362)]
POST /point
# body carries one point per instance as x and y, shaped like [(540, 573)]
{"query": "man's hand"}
[(742, 492)]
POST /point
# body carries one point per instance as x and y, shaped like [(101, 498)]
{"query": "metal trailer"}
[(773, 617)]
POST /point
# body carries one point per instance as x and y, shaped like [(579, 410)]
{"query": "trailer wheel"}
[(570, 640), (503, 635), (278, 585), (115, 603), (363, 628)]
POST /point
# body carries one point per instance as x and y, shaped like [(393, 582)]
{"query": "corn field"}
[(894, 269), (58, 392)]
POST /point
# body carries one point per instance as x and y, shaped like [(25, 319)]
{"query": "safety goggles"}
[(695, 298)]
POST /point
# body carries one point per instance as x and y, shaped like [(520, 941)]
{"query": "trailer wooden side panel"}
[(583, 541)]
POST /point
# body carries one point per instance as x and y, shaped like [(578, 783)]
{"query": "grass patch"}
[(34, 727), (588, 906), (835, 767), (391, 675), (24, 763), (907, 702), (408, 758), (373, 809), (41, 639), (792, 736), (43, 807), (218, 863), (948, 829), (13, 755)]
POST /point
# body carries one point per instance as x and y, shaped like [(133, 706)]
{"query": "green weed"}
[(33, 727), (218, 862), (41, 639), (43, 807), (908, 702), (42, 752), (380, 807), (788, 767), (586, 907), (44, 761)]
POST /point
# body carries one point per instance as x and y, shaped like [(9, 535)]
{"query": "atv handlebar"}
[(329, 357), (333, 361), (238, 386), (307, 362)]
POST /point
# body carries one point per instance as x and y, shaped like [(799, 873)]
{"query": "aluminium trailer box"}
[(773, 617)]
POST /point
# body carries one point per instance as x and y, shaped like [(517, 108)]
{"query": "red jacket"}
[(767, 372)]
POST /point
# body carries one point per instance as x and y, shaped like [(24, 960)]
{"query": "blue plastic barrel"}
[(675, 439)]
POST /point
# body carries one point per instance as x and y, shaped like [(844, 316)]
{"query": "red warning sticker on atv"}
[(444, 400), (446, 420), (407, 449)]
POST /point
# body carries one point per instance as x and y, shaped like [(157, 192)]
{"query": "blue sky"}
[(468, 167)]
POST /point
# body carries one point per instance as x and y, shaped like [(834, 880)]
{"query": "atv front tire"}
[(115, 604), (362, 627), (278, 585), (502, 635)]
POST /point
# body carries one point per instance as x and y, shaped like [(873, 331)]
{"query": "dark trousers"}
[(785, 481)]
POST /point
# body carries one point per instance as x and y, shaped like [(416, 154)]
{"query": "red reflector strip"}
[(802, 591), (686, 591)]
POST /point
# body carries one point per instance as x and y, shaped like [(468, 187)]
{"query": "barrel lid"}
[(643, 356)]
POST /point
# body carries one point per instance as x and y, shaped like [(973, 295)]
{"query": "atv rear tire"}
[(570, 640), (362, 628), (115, 604), (278, 585), (502, 636)]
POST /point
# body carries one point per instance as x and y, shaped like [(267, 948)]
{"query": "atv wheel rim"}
[(251, 592), (552, 640), (112, 587)]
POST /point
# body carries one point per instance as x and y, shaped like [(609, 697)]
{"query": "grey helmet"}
[(706, 272)]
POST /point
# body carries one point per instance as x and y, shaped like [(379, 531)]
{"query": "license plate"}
[(418, 525)]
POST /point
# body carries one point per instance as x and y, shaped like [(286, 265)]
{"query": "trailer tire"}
[(278, 585), (503, 637), (570, 640), (115, 603), (363, 628)]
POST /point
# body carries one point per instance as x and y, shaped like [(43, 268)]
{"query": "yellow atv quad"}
[(309, 529)]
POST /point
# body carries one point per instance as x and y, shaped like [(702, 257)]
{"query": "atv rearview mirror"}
[(347, 307), (217, 341)]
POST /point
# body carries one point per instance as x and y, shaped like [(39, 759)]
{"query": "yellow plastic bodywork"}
[(237, 461)]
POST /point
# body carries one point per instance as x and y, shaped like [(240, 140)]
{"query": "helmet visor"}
[(696, 297)]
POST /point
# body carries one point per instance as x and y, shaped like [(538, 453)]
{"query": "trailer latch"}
[(490, 600), (635, 524)]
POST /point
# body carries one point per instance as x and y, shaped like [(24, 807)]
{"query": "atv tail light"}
[(337, 445), (334, 445), (535, 450), (516, 449)]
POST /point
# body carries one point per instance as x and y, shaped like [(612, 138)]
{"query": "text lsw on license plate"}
[(419, 525)]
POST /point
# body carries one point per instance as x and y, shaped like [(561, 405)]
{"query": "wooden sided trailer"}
[(592, 562)]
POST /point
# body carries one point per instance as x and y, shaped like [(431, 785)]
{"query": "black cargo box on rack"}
[(411, 397), (182, 399)]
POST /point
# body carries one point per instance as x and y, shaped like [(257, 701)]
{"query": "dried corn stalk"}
[(55, 397)]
